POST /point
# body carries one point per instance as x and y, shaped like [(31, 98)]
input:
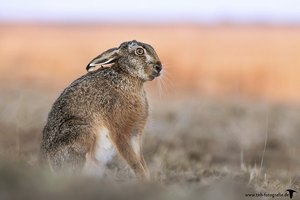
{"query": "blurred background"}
[(226, 107), (218, 48)]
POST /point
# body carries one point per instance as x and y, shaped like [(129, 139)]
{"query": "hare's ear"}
[(105, 59)]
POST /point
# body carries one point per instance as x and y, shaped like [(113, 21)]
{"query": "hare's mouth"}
[(156, 74), (157, 67), (154, 70), (152, 76)]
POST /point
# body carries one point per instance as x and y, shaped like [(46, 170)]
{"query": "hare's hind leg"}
[(71, 149), (67, 159)]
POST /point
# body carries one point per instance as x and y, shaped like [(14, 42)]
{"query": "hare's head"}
[(136, 58)]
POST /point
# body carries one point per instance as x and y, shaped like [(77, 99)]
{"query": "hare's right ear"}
[(105, 59)]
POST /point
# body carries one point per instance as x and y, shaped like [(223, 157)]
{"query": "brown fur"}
[(108, 97)]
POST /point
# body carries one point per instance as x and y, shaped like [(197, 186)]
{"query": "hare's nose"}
[(157, 68)]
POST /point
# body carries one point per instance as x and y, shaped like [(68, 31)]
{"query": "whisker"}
[(164, 82), (165, 89), (167, 78), (161, 88), (168, 81), (166, 66), (158, 83)]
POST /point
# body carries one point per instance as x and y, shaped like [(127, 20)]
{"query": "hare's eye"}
[(139, 51)]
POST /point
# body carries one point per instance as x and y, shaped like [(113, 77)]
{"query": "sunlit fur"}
[(106, 106)]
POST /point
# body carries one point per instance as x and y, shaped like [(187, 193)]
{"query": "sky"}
[(240, 11)]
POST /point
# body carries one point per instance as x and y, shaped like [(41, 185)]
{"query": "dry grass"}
[(197, 146), (195, 149)]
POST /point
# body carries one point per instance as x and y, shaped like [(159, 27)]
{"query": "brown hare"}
[(102, 112)]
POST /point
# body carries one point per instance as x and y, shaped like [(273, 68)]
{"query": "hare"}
[(102, 113)]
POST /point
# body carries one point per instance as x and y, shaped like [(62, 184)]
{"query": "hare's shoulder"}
[(89, 80), (91, 77)]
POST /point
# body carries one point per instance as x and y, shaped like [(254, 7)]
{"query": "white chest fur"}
[(104, 149), (104, 152)]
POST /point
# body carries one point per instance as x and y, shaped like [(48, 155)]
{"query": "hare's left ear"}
[(105, 59)]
